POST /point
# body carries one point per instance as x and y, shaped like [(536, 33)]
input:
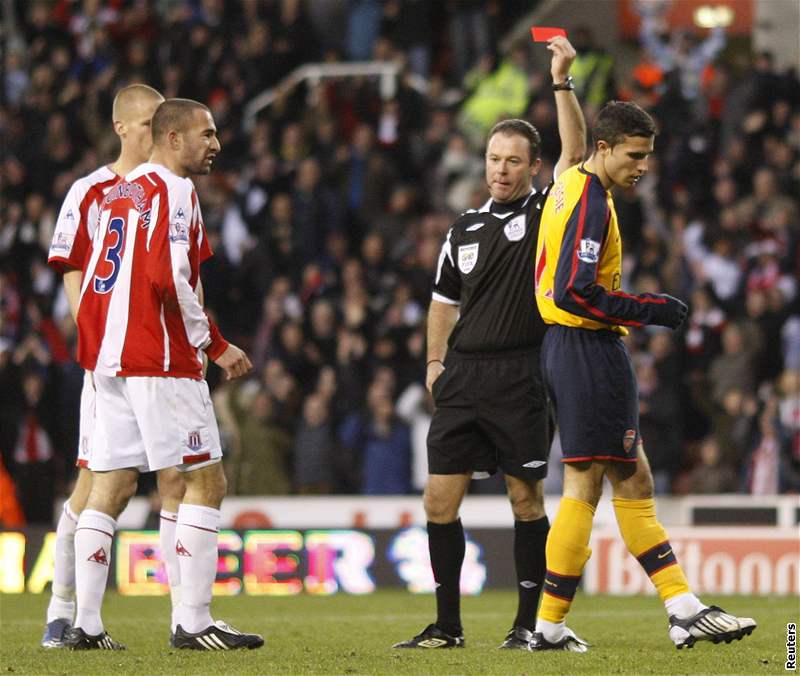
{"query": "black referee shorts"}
[(491, 412), (592, 384)]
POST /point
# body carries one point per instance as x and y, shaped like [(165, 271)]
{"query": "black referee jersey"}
[(486, 267)]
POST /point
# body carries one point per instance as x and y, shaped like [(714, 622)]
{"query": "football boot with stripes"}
[(54, 633), (432, 637), (219, 636), (519, 638), (710, 624), (76, 638), (569, 642)]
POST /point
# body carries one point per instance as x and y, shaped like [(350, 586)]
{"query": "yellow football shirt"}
[(579, 259)]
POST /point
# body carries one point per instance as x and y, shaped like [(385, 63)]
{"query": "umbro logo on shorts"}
[(533, 464), (100, 557), (527, 584)]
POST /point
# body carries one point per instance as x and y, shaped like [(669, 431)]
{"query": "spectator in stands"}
[(263, 462), (734, 368), (382, 444), (680, 53), (34, 450), (770, 454), (712, 474), (659, 423), (314, 450)]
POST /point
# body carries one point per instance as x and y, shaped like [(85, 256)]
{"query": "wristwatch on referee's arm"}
[(566, 85)]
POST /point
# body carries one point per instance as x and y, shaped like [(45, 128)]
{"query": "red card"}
[(543, 34)]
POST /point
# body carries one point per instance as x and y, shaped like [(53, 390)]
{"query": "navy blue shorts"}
[(491, 413), (592, 384)]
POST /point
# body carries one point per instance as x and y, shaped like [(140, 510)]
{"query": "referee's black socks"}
[(530, 539), (446, 545)]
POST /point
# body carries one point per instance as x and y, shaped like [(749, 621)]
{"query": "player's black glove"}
[(671, 314)]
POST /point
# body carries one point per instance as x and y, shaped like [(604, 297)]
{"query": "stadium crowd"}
[(327, 218)]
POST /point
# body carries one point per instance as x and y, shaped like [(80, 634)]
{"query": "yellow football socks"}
[(647, 540), (567, 552)]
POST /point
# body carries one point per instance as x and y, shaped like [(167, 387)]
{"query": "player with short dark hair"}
[(593, 385), (174, 115), (141, 332), (484, 334)]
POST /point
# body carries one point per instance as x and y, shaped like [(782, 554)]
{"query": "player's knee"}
[(112, 496), (127, 491), (584, 493), (527, 501), (206, 486), (171, 486), (221, 485), (214, 491), (80, 494), (643, 487), (527, 510), (439, 507)]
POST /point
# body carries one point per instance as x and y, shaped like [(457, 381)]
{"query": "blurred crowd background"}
[(328, 213)]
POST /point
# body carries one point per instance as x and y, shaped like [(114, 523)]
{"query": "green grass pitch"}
[(353, 635)]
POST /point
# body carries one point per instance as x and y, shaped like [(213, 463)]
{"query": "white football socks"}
[(93, 538), (62, 599), (553, 632), (684, 605), (196, 549), (166, 537)]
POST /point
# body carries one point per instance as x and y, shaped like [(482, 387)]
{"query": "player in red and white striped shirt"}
[(132, 111), (142, 332)]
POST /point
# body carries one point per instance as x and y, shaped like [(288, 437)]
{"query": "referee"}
[(484, 334)]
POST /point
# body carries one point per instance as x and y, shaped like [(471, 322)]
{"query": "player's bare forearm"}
[(571, 123), (441, 320), (72, 288)]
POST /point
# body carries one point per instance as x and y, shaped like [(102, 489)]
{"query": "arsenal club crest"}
[(627, 440)]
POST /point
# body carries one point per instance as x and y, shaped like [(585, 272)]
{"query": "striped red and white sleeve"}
[(186, 236)]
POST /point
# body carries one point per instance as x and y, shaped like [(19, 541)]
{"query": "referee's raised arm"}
[(571, 123)]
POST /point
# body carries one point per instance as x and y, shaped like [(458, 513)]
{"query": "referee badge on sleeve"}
[(467, 257)]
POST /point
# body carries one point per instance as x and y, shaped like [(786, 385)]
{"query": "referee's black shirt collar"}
[(508, 207)]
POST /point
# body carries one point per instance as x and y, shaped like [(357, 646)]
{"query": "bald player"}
[(132, 112)]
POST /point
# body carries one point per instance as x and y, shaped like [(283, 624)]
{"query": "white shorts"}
[(86, 422), (149, 423)]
